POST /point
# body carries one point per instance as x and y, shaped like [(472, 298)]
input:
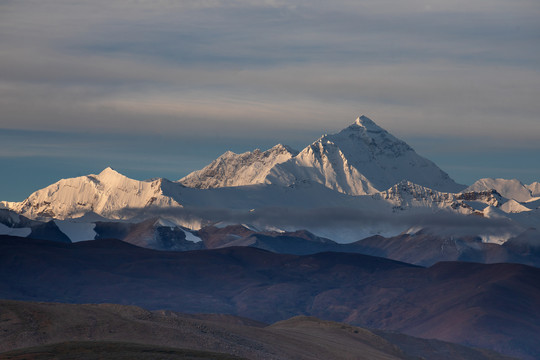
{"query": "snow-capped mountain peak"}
[(512, 206), (534, 188), (406, 194), (361, 159), (231, 169), (365, 123), (375, 139), (103, 194), (109, 172), (510, 189), (112, 177)]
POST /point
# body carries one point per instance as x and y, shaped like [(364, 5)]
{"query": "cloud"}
[(338, 218), (253, 73), (189, 66)]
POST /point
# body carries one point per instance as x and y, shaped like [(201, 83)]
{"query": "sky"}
[(161, 88)]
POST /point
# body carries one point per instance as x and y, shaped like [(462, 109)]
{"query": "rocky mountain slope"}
[(232, 169), (362, 172)]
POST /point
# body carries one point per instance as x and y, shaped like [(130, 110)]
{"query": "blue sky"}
[(161, 88)]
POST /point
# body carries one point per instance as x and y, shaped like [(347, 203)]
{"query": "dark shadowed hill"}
[(426, 249), (492, 306), (107, 331), (98, 350), (422, 248)]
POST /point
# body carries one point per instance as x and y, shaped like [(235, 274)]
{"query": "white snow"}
[(7, 204), (21, 232), (534, 188), (77, 231), (510, 189), (104, 194), (232, 169), (492, 212), (512, 206), (191, 237)]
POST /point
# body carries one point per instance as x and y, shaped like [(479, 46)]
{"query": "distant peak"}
[(365, 122), (279, 146), (363, 126), (283, 148), (228, 154), (109, 171)]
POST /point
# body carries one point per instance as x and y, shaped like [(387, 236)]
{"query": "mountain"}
[(103, 194), (361, 159), (152, 233), (406, 194), (14, 224), (232, 169), (421, 247), (512, 206), (129, 332), (491, 306), (534, 188), (160, 234), (300, 242), (425, 247), (362, 172), (76, 207), (511, 189)]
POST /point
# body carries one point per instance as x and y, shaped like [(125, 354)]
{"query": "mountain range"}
[(421, 247), (378, 184), (359, 160)]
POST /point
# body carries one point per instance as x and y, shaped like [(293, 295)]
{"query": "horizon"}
[(162, 89)]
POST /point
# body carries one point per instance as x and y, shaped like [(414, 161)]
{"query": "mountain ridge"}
[(344, 171), (361, 159), (231, 169)]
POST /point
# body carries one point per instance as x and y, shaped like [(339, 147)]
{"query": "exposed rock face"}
[(407, 194), (232, 169)]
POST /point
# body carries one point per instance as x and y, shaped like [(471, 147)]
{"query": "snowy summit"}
[(361, 159)]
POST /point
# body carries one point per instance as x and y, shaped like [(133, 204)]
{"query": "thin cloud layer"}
[(340, 218)]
